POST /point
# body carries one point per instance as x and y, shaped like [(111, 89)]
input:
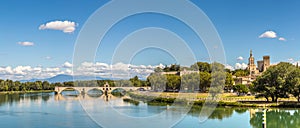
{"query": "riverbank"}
[(31, 91), (224, 100)]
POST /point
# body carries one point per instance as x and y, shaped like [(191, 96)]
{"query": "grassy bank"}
[(131, 101), (224, 100), (21, 92)]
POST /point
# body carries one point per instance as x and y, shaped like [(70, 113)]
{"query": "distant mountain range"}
[(65, 78)]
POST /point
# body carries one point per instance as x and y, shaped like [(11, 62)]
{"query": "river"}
[(47, 110)]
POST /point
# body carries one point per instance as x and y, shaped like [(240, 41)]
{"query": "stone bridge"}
[(105, 88)]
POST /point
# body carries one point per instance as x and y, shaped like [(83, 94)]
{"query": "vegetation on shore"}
[(21, 92), (225, 100), (131, 101)]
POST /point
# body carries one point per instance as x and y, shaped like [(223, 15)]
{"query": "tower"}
[(266, 60), (251, 65), (260, 66)]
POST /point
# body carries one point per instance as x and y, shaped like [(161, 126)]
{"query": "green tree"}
[(229, 81), (135, 81), (175, 67), (68, 84), (205, 80), (157, 81), (17, 85), (241, 88), (190, 82), (293, 83), (241, 72), (201, 66), (173, 82), (158, 69), (46, 85), (272, 83), (217, 83)]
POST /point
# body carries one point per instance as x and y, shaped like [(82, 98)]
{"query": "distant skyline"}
[(37, 37)]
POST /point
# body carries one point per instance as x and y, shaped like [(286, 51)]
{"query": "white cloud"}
[(281, 39), (241, 66), (22, 70), (52, 70), (6, 70), (268, 34), (26, 43), (118, 70), (65, 26), (291, 60), (240, 58), (227, 66), (67, 65)]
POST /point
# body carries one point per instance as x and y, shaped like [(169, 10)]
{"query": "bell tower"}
[(251, 65)]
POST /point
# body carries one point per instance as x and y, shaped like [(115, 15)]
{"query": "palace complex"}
[(255, 70)]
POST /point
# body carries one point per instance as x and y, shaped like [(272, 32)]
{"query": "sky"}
[(38, 38)]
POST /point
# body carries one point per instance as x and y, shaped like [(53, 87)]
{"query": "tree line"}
[(9, 85), (213, 77)]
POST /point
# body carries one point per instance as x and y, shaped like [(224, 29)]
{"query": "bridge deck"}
[(103, 89)]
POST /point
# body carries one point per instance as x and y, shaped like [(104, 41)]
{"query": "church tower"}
[(251, 65)]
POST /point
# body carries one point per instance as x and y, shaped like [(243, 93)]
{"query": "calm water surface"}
[(45, 110)]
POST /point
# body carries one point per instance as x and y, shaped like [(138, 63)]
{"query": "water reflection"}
[(276, 118), (67, 111), (16, 98)]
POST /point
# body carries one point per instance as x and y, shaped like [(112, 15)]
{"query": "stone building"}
[(262, 65), (251, 65)]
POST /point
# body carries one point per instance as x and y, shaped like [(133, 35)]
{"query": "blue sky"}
[(238, 22)]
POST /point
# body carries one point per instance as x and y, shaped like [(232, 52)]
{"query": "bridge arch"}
[(95, 94), (60, 90)]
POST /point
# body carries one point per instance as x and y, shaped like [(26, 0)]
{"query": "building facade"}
[(262, 65)]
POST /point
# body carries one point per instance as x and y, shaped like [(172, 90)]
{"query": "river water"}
[(47, 110)]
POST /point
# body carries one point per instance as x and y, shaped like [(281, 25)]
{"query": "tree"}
[(175, 67), (217, 83), (205, 80), (45, 85), (135, 81), (241, 72), (173, 82), (190, 82), (218, 79), (272, 83), (293, 83), (241, 88), (229, 81), (157, 81), (37, 85), (17, 86), (68, 84), (201, 66), (158, 69)]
